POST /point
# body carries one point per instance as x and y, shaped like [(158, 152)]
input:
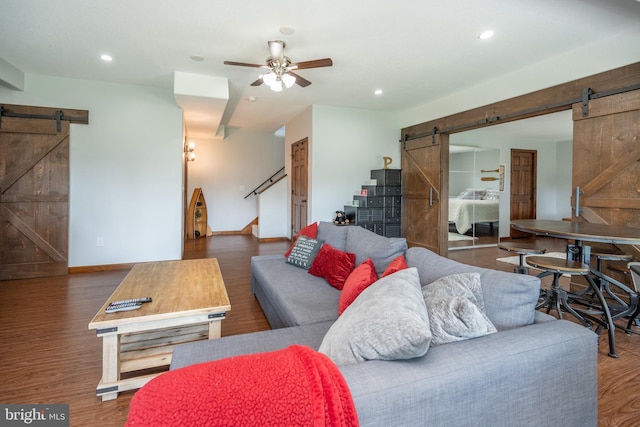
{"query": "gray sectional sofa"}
[(535, 370)]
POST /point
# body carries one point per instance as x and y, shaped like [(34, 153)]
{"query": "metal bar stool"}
[(634, 268), (559, 298), (521, 249), (604, 281)]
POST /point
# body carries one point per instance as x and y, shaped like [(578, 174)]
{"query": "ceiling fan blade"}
[(300, 81), (276, 48), (243, 64), (258, 82), (316, 63)]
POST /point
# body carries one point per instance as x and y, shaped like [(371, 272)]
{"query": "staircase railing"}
[(266, 181)]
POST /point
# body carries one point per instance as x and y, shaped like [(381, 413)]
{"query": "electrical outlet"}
[(99, 241)]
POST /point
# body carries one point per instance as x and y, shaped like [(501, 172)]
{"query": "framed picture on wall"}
[(501, 177)]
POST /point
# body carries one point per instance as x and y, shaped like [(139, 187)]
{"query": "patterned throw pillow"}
[(492, 195), (304, 251), (310, 230), (473, 194)]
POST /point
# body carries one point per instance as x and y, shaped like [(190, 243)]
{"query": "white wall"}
[(228, 169), (564, 176), (344, 145), (272, 207), (347, 144), (125, 168)]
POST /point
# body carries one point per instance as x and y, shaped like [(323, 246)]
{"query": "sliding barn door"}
[(606, 161), (425, 192), (34, 192)]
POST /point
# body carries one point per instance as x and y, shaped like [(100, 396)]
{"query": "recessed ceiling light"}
[(106, 58), (197, 58), (485, 35), (377, 92), (287, 30), (252, 98)]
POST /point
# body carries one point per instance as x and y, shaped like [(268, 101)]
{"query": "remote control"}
[(136, 300), (123, 306)]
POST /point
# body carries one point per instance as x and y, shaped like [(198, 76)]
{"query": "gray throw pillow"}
[(304, 252), (473, 194), (367, 244), (456, 308), (387, 321), (510, 299)]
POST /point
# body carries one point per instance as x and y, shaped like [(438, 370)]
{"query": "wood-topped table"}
[(189, 301), (580, 232)]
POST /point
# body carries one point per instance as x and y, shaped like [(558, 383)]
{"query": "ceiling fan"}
[(281, 68)]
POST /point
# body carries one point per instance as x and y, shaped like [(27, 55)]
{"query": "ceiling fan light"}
[(269, 78), (276, 86), (288, 80)]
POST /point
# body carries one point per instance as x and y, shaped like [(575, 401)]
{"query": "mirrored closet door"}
[(474, 196)]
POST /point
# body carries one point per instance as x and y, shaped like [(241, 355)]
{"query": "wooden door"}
[(34, 203), (299, 185), (523, 187), (606, 161), (425, 190)]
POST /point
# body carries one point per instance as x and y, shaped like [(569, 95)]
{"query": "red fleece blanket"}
[(289, 387)]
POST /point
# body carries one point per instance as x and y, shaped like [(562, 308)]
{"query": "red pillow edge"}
[(356, 283), (310, 231), (399, 263)]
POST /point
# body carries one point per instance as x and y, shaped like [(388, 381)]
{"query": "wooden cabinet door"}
[(299, 185), (606, 161), (34, 197), (523, 187), (425, 192)]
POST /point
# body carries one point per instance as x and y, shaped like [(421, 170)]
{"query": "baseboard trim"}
[(271, 239), (100, 268)]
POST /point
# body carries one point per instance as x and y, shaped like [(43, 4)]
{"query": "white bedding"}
[(464, 212)]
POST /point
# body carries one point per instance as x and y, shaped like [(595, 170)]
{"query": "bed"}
[(466, 212)]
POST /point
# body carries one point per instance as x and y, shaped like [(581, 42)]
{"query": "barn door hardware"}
[(578, 208), (58, 117), (433, 134), (586, 96)]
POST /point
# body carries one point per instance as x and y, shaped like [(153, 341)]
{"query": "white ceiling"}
[(414, 50)]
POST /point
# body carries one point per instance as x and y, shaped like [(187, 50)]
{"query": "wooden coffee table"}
[(189, 302)]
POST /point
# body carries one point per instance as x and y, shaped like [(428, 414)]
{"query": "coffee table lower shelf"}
[(135, 348)]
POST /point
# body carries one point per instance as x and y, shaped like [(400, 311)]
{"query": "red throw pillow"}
[(310, 230), (333, 264), (396, 265), (360, 279)]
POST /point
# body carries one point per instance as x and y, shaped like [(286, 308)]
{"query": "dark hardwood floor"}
[(48, 355)]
